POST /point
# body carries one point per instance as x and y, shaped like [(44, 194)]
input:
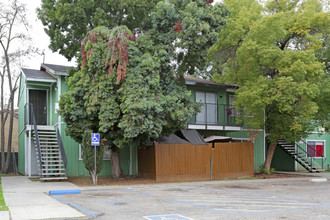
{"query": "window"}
[(231, 111), (208, 115), (106, 153), (315, 148)]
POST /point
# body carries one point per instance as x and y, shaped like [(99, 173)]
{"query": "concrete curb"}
[(64, 192)]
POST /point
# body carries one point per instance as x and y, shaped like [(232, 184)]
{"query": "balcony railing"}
[(216, 114)]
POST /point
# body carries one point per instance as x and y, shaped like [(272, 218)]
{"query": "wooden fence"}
[(179, 162)]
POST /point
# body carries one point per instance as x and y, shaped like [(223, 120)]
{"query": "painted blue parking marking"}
[(74, 205), (167, 217)]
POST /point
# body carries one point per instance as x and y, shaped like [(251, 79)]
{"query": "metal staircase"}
[(300, 155), (51, 160)]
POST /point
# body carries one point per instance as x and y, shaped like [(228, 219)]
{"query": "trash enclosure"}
[(184, 161)]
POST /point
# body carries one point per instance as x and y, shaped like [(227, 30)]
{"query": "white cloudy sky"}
[(40, 40)]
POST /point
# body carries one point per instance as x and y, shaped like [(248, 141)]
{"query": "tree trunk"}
[(270, 154), (2, 128), (10, 133), (115, 162), (92, 173)]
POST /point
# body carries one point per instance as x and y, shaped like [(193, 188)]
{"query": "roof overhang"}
[(40, 80), (48, 68)]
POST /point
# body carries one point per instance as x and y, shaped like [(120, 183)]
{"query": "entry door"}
[(39, 100)]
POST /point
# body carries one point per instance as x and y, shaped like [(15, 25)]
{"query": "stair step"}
[(48, 139), (50, 146), (52, 174), (47, 135), (52, 163), (54, 178), (52, 169), (45, 127), (51, 157), (52, 151)]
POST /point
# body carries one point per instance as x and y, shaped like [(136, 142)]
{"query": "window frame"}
[(324, 148), (205, 109)]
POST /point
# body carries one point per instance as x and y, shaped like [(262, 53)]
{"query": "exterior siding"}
[(282, 161), (318, 136), (21, 133), (76, 167), (223, 99)]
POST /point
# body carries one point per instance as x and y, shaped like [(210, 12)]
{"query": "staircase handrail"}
[(305, 152), (60, 145), (36, 135), (316, 153)]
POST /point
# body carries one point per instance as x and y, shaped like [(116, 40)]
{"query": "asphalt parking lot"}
[(292, 198)]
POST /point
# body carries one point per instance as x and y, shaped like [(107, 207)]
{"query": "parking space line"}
[(74, 205), (107, 202), (249, 195), (180, 201), (268, 203)]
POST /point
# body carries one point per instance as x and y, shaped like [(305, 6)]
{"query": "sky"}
[(40, 40)]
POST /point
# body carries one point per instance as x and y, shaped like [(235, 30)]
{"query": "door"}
[(39, 100)]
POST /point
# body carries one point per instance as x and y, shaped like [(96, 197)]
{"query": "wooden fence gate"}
[(180, 162)]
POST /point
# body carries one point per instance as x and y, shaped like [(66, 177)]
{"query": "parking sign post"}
[(95, 142)]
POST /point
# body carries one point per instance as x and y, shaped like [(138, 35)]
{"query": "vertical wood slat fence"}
[(180, 162)]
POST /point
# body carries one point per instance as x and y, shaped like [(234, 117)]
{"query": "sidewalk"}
[(27, 199)]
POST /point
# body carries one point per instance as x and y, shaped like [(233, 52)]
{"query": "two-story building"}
[(42, 131), (218, 116)]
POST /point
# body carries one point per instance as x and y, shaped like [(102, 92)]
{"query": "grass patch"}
[(3, 206)]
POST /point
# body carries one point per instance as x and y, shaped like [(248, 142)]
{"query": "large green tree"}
[(187, 27), (68, 21), (275, 52), (122, 92), (146, 96)]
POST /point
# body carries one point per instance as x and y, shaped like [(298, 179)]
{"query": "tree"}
[(188, 29), (190, 26), (67, 22), (272, 52), (121, 92), (12, 15), (146, 99)]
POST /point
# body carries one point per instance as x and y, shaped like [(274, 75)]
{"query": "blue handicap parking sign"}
[(95, 139)]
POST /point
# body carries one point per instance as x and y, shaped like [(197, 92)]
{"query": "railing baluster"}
[(62, 151)]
